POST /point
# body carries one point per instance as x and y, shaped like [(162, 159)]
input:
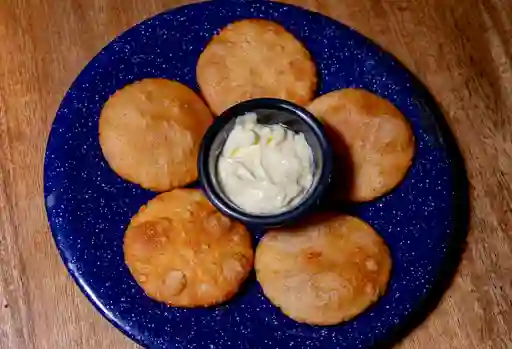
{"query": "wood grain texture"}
[(462, 50)]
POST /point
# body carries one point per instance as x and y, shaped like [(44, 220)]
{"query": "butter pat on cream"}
[(264, 169)]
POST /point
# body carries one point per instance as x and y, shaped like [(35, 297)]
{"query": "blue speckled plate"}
[(89, 206)]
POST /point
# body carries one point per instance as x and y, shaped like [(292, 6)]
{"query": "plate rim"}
[(459, 185)]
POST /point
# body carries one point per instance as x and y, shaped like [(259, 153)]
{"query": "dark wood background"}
[(461, 49)]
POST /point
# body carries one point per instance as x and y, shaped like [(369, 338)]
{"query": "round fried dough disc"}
[(329, 269), (183, 252), (371, 138), (255, 58), (150, 133)]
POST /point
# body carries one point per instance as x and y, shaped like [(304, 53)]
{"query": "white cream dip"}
[(264, 169)]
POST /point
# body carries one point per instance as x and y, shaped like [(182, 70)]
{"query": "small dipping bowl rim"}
[(220, 200)]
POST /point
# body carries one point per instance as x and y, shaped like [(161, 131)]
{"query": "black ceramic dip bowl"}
[(269, 111)]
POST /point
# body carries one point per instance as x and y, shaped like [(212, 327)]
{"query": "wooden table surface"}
[(461, 49)]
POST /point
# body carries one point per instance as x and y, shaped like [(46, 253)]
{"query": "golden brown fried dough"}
[(371, 138), (328, 270), (150, 133), (183, 252), (255, 58)]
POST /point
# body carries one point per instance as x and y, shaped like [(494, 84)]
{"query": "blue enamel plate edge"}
[(88, 206)]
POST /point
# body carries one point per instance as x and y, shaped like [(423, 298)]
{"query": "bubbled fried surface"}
[(324, 271), (255, 58), (373, 142), (183, 252), (150, 133)]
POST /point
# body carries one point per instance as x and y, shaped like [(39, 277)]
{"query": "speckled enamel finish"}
[(89, 206)]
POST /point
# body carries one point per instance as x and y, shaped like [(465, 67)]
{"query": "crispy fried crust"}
[(255, 58), (328, 270), (373, 142), (183, 252), (150, 133)]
